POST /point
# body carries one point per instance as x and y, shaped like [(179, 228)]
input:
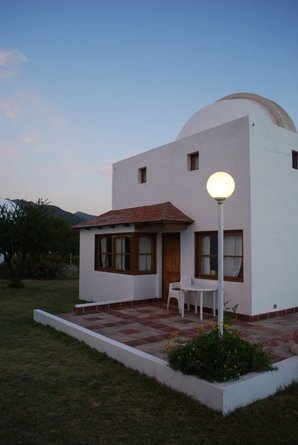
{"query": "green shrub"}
[(3, 271), (215, 357), (45, 267), (76, 260)]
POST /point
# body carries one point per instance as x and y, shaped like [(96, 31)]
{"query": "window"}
[(132, 253), (112, 253), (295, 159), (145, 253), (142, 175), (207, 255), (122, 253), (193, 161)]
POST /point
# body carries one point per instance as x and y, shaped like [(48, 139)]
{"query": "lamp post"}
[(220, 186)]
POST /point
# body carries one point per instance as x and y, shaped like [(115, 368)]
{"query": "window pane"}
[(122, 250), (127, 245), (233, 255), (145, 263), (118, 249), (233, 245), (145, 244), (145, 253), (232, 266), (126, 262), (205, 254), (104, 259), (213, 244)]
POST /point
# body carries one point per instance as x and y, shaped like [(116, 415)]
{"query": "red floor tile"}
[(161, 325), (152, 339), (129, 331), (136, 342)]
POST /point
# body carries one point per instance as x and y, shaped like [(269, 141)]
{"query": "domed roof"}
[(233, 107)]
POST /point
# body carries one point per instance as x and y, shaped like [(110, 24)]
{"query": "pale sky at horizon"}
[(85, 83)]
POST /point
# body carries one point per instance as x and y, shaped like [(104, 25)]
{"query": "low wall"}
[(223, 397)]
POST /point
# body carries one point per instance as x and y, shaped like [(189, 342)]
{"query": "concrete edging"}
[(223, 397)]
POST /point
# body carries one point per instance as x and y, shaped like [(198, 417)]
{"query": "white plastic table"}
[(199, 292)]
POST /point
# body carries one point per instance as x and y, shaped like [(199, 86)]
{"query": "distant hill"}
[(84, 216), (72, 218)]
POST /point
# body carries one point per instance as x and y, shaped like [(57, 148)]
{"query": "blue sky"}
[(85, 83)]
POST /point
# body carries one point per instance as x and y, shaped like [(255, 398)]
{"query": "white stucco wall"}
[(106, 286), (225, 147), (257, 154), (274, 190)]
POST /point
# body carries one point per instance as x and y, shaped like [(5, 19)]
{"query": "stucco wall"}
[(107, 286), (225, 147), (274, 189), (258, 155)]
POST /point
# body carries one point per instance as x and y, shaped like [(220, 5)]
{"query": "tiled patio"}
[(149, 327)]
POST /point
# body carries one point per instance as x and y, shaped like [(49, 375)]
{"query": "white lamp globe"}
[(220, 186)]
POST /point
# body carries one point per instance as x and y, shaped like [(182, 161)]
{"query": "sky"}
[(85, 83)]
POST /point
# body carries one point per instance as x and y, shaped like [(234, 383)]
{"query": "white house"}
[(163, 223)]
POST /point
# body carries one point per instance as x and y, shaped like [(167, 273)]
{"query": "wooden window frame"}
[(198, 273), (193, 160), (133, 253), (295, 159)]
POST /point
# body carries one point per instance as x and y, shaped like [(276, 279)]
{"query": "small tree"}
[(27, 231), (8, 239), (60, 237), (21, 232)]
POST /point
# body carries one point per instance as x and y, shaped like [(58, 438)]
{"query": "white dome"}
[(234, 107)]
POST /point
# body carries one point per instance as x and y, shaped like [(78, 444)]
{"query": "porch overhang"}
[(165, 214)]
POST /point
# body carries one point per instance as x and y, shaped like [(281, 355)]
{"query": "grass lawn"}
[(55, 390)]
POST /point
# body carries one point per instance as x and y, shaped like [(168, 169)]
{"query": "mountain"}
[(72, 218), (84, 216)]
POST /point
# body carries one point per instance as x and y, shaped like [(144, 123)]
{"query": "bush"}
[(76, 260), (45, 267), (215, 357), (3, 271)]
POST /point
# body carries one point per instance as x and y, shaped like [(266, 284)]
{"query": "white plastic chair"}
[(186, 281), (175, 292)]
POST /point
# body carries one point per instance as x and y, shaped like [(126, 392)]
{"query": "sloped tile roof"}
[(152, 214)]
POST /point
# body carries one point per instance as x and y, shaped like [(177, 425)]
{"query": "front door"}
[(170, 261)]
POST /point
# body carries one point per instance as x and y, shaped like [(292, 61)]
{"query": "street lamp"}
[(220, 186)]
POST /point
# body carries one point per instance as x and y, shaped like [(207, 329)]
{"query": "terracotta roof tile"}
[(151, 214)]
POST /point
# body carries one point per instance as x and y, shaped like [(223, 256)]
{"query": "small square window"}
[(142, 175), (193, 161), (295, 159)]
